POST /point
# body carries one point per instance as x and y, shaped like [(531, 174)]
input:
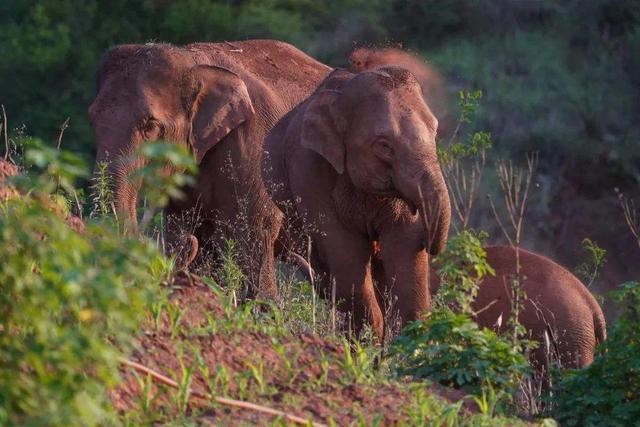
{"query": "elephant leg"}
[(403, 274), (267, 283), (347, 258)]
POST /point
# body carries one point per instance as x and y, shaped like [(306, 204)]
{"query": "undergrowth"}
[(73, 303), (447, 346), (607, 393), (70, 303)]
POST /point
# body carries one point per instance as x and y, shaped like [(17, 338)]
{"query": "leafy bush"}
[(460, 268), (448, 346), (167, 170), (69, 301), (64, 299), (607, 393)]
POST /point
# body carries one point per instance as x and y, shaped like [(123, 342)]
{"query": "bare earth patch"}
[(304, 375)]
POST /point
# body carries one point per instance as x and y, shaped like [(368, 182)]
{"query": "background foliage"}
[(564, 72), (562, 78), (607, 393)]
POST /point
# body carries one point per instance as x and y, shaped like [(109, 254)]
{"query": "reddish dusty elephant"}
[(219, 100), (357, 160), (432, 83), (557, 303)]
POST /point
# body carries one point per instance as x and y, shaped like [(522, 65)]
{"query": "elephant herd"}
[(284, 141)]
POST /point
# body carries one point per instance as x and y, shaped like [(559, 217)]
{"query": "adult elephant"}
[(357, 160), (219, 100), (557, 304)]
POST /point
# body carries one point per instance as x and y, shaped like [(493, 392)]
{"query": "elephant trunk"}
[(429, 195), (126, 200), (124, 190)]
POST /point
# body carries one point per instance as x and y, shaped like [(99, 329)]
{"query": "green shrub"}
[(607, 393), (65, 298), (70, 302), (447, 346), (460, 268), (451, 349)]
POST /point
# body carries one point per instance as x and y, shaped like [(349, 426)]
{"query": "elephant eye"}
[(383, 148), (152, 130)]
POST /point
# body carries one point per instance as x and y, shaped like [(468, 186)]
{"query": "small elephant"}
[(357, 160), (432, 82), (557, 304), (219, 100)]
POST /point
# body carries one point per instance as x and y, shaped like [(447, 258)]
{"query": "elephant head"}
[(157, 92), (376, 127)]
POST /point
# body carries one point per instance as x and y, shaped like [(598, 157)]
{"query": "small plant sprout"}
[(102, 191), (463, 162), (589, 270), (257, 372), (221, 380), (146, 393), (156, 310), (184, 378), (175, 313)]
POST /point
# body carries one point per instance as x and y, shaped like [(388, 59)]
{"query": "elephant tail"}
[(599, 324)]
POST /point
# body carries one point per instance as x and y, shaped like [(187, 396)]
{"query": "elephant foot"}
[(267, 284)]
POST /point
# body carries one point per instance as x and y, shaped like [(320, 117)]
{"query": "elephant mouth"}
[(412, 207)]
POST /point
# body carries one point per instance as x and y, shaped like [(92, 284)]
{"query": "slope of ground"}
[(199, 338)]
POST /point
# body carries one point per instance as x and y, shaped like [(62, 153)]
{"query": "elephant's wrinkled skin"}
[(219, 99), (358, 161), (557, 303)]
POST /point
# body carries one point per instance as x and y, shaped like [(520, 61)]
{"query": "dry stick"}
[(222, 400), (333, 305), (303, 264), (515, 199), (485, 308), (64, 127), (311, 281), (630, 215), (500, 224), (464, 188), (6, 133)]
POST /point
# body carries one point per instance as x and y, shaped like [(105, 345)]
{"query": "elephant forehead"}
[(143, 94)]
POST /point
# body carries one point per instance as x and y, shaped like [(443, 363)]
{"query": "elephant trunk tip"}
[(436, 214)]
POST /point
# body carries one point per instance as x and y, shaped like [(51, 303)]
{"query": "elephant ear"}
[(323, 125), (217, 102)]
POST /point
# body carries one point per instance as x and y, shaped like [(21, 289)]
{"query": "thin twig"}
[(6, 133), (502, 227), (464, 186), (516, 195), (333, 305), (454, 135), (64, 127), (486, 307), (313, 288), (222, 400), (631, 216)]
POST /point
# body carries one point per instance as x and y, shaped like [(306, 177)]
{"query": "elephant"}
[(219, 100), (557, 304), (432, 82), (357, 160)]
